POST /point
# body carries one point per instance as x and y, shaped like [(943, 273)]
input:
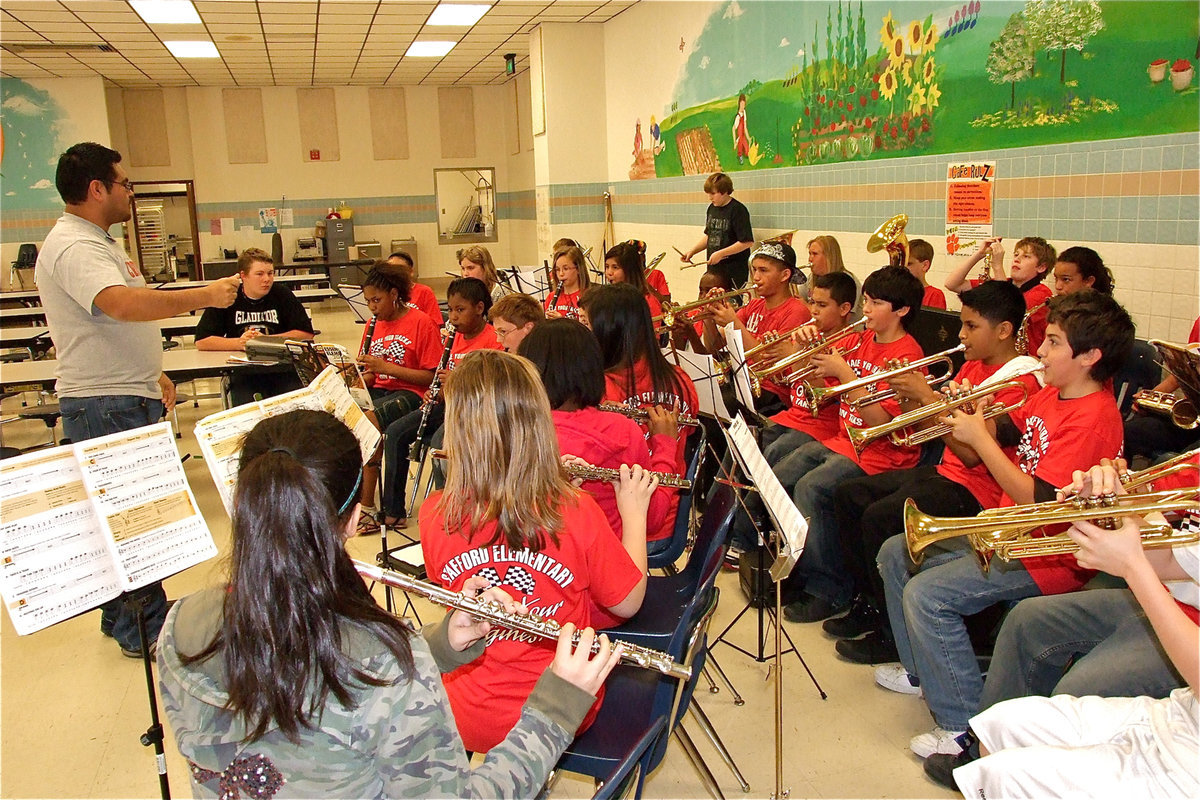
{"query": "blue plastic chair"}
[(663, 554), (617, 782)]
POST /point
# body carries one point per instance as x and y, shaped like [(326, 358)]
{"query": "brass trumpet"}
[(1179, 409), (890, 236), (825, 342), (642, 415), (1132, 481), (861, 437), (1008, 535), (670, 311), (589, 473), (817, 395)]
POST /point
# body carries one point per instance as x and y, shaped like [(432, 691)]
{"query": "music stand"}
[(532, 281), (353, 295)]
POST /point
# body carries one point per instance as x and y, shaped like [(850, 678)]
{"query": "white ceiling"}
[(277, 42)]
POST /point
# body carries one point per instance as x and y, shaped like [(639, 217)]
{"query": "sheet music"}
[(220, 435), (54, 560), (793, 527), (144, 502), (741, 373), (531, 282), (700, 368)]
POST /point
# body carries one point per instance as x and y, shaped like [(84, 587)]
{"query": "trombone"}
[(861, 437), (670, 311), (824, 342), (1008, 535), (818, 395)]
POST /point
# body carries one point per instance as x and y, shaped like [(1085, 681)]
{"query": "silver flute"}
[(494, 612), (642, 415), (589, 473)]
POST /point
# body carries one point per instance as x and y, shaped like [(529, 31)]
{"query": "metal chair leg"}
[(711, 732), (697, 760), (738, 700)]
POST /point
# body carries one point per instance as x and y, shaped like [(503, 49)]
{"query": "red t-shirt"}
[(798, 415), (1058, 437), (655, 309), (1182, 480), (1194, 336), (1036, 332), (411, 340), (560, 581), (484, 340), (424, 299), (880, 455), (760, 320), (657, 281), (606, 439), (934, 297), (978, 479), (567, 304)]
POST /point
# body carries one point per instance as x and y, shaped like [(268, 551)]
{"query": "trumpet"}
[(1179, 409), (824, 342), (670, 311), (642, 415), (861, 437), (1132, 481), (589, 473), (1007, 535), (772, 338), (494, 612), (818, 395)]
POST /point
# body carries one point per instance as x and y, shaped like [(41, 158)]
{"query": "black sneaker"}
[(862, 619), (940, 767), (136, 652), (811, 608), (870, 649)]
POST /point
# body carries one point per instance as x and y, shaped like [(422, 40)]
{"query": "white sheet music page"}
[(144, 502), (334, 397), (54, 563), (741, 373), (701, 370), (792, 524), (220, 439)]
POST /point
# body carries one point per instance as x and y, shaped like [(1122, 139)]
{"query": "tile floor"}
[(72, 707)]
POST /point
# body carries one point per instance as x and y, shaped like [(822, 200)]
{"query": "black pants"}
[(1151, 435), (870, 510)]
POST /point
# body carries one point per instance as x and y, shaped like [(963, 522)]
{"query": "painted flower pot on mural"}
[(1181, 74), (1157, 70)]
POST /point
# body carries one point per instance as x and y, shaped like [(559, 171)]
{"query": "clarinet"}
[(414, 452), (366, 345), (527, 623), (557, 294)]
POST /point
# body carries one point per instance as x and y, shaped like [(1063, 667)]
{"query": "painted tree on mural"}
[(1012, 56), (1062, 25)]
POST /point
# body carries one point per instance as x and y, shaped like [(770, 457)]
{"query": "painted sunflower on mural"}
[(915, 35), (931, 37), (927, 70), (932, 95), (888, 31), (888, 84), (916, 100)]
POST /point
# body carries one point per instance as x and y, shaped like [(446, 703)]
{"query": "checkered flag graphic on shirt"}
[(520, 579), (1189, 524), (394, 352)]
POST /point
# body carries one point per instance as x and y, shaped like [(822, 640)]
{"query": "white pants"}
[(1089, 747)]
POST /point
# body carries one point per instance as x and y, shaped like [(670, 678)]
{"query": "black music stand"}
[(153, 737)]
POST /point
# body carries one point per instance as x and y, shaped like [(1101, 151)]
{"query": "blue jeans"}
[(821, 569), (86, 418), (1103, 631), (398, 439), (927, 613), (777, 442)]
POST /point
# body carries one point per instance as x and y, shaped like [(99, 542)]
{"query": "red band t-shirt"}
[(411, 340), (559, 581), (799, 416), (566, 304)]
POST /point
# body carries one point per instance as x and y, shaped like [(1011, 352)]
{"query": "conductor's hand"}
[(223, 292), (576, 665)]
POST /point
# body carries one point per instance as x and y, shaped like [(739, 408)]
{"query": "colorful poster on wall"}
[(268, 220), (970, 198)]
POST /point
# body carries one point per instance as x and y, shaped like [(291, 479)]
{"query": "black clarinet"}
[(366, 345), (557, 294), (431, 396)]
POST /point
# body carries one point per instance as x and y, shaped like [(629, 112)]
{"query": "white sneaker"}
[(938, 740), (896, 678)]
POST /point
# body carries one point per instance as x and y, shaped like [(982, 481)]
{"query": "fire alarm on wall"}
[(314, 155), (510, 63)]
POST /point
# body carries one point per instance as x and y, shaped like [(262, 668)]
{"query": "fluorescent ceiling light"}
[(460, 15), (429, 49), (193, 49), (166, 12)]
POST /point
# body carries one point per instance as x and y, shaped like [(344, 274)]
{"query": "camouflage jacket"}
[(397, 740)]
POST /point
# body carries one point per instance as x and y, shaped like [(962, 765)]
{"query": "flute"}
[(589, 473), (493, 612), (642, 415)]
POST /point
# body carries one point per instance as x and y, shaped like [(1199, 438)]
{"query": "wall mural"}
[(29, 146), (853, 80)]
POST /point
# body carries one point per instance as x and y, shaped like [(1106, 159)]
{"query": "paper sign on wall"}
[(970, 201)]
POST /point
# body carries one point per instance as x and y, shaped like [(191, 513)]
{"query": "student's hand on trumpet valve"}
[(1102, 479), (913, 386), (577, 665), (831, 365), (634, 489), (463, 629), (807, 336), (663, 421), (968, 426)]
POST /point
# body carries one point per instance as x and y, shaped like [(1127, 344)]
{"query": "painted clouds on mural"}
[(820, 82), (30, 118)]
